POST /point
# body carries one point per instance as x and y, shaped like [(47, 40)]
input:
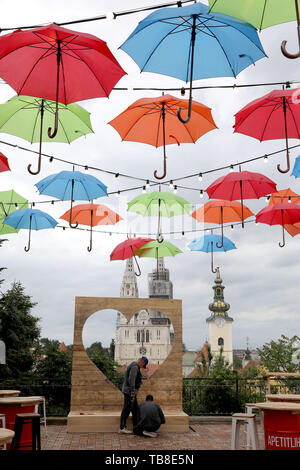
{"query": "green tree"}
[(277, 356), (103, 360), (19, 330)]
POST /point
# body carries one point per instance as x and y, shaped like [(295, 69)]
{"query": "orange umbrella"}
[(293, 230), (92, 214), (284, 195), (221, 211), (154, 121)]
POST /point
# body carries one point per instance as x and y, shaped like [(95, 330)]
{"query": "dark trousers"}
[(139, 429), (130, 405)]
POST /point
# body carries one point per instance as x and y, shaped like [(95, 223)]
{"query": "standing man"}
[(131, 385), (151, 417)]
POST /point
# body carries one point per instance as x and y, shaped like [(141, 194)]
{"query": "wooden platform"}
[(109, 421)]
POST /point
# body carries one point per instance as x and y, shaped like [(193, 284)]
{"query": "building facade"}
[(148, 332), (219, 322)]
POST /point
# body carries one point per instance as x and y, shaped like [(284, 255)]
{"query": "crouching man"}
[(151, 417)]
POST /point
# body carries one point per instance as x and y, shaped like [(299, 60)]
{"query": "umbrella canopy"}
[(29, 117), (240, 185), (220, 212), (261, 14), (190, 43), (296, 169), (284, 195), (293, 229), (127, 248), (156, 249), (58, 64), (154, 121), (31, 219), (210, 243), (280, 214), (159, 203), (92, 215), (72, 185), (275, 115), (4, 166), (10, 201)]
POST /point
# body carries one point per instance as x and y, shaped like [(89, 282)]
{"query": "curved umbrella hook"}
[(222, 242), (40, 148), (58, 57), (193, 38), (283, 237), (284, 43), (89, 248), (212, 262), (286, 140), (71, 209), (139, 269), (29, 239), (165, 168), (163, 116)]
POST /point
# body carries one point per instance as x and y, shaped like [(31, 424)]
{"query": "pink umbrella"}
[(127, 248), (280, 214), (4, 166)]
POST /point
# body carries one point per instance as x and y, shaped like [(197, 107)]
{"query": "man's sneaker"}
[(150, 434), (125, 431)]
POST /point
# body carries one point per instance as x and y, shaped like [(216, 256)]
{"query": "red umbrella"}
[(241, 185), (127, 248), (273, 116), (58, 64), (280, 214), (4, 166)]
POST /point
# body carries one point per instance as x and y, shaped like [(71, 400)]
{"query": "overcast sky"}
[(261, 279)]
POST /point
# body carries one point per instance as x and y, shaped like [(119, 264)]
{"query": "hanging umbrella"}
[(220, 212), (31, 219), (284, 195), (28, 117), (280, 214), (4, 166), (273, 116), (262, 14), (72, 185), (190, 43), (209, 244), (293, 229), (161, 204), (154, 121), (10, 201), (241, 185), (58, 64), (92, 215), (156, 249), (127, 248)]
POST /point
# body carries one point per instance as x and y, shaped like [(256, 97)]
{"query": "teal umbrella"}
[(29, 118)]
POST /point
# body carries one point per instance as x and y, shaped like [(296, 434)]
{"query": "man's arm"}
[(132, 378)]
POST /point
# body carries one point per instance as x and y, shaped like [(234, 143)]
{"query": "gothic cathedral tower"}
[(219, 323)]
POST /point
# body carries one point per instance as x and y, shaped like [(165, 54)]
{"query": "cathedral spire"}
[(129, 286)]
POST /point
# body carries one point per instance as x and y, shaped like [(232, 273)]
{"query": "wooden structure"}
[(277, 375), (96, 403)]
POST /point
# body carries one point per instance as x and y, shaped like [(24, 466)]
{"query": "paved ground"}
[(200, 437)]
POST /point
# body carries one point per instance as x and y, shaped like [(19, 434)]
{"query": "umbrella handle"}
[(212, 262), (284, 43), (29, 239), (139, 269), (222, 242), (58, 58), (40, 148), (165, 169), (283, 237), (89, 248), (71, 209), (193, 38), (163, 117), (286, 141)]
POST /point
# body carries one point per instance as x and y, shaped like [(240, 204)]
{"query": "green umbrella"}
[(10, 201), (156, 249), (29, 118), (161, 204), (262, 14)]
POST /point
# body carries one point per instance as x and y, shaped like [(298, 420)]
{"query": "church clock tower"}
[(219, 323)]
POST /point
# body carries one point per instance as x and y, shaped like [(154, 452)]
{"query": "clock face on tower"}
[(220, 322)]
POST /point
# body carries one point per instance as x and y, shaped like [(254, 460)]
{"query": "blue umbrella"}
[(31, 219), (296, 169), (71, 185), (210, 243), (167, 40)]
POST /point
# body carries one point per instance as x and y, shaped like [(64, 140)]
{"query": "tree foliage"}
[(103, 358), (19, 330), (278, 356)]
